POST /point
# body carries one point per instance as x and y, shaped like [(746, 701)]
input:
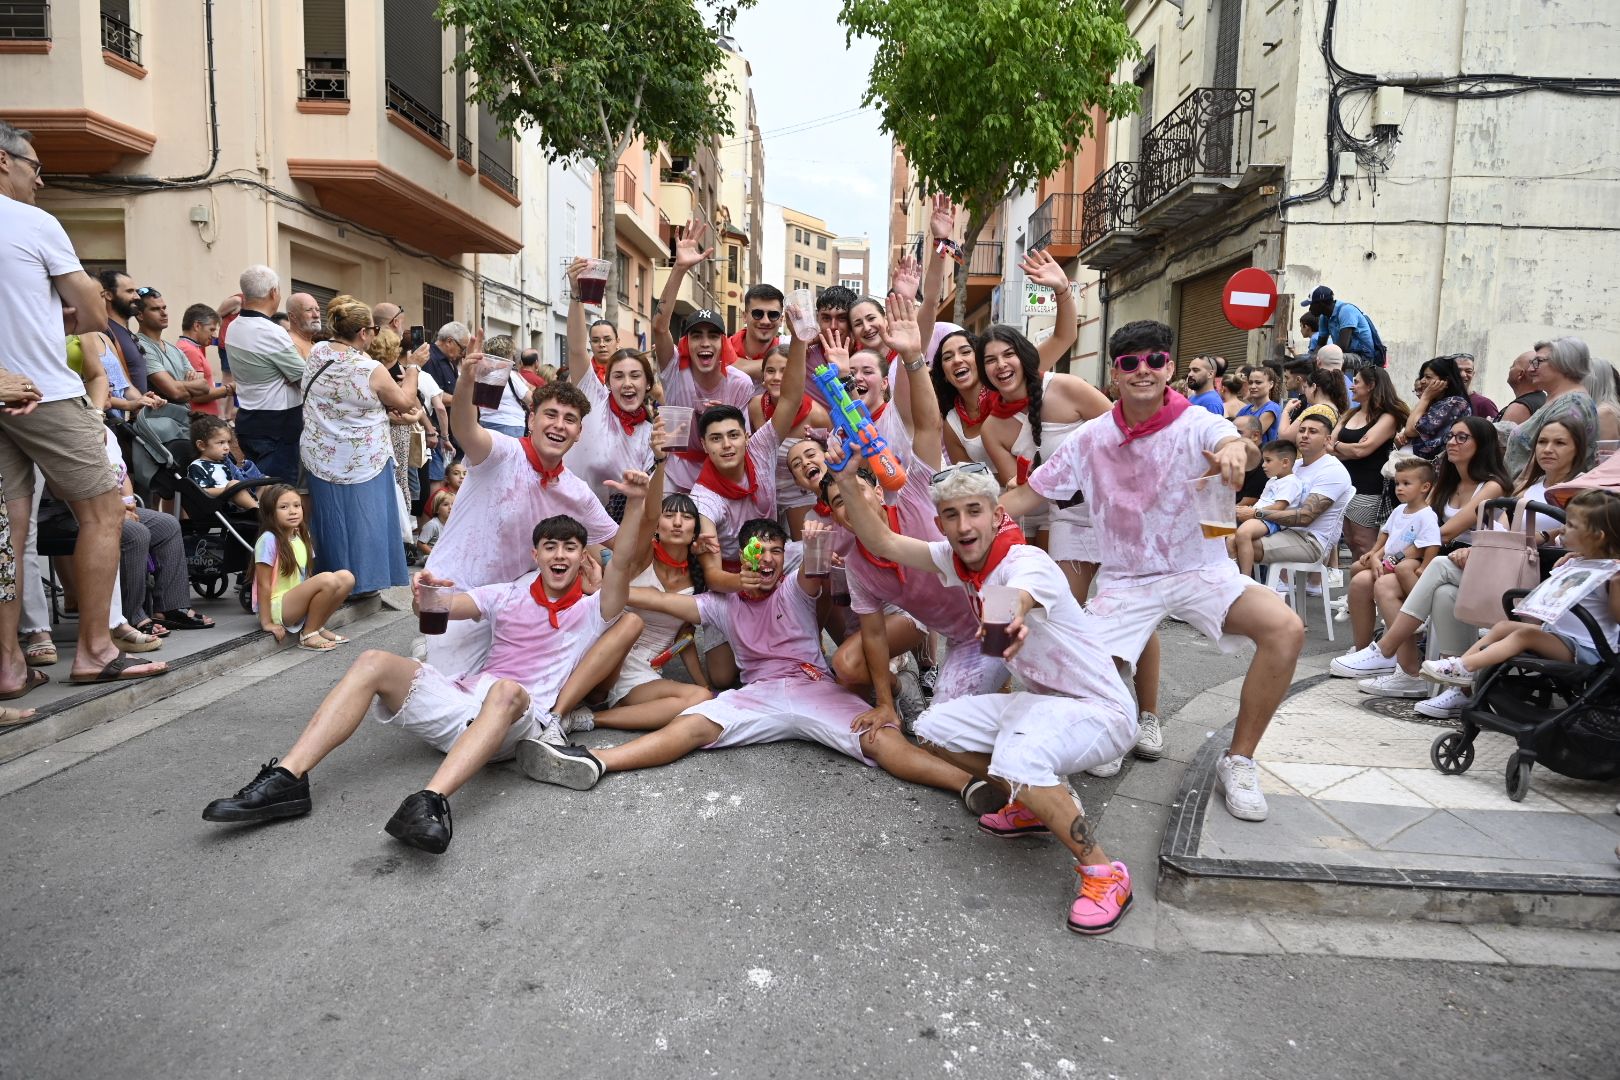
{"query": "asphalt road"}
[(770, 911)]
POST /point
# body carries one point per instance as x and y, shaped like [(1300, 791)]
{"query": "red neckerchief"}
[(600, 367), (1174, 405), (1007, 534), (740, 339), (666, 558), (983, 406), (878, 414), (710, 478), (627, 420), (537, 589), (767, 406), (1001, 407), (823, 510), (547, 476), (887, 564), (728, 355)]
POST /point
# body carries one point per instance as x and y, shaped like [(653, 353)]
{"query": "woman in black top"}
[(1362, 440)]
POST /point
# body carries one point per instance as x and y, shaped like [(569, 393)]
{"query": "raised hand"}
[(901, 333), (658, 437), (907, 277), (574, 270), (1042, 269), (835, 346), (689, 250), (633, 486), (942, 219)]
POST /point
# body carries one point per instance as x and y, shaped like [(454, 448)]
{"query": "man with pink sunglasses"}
[(1136, 466)]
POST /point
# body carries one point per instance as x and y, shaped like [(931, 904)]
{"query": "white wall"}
[(570, 233)]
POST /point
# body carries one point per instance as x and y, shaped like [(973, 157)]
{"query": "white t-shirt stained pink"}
[(728, 515), (681, 388), (1141, 493), (775, 637), (604, 451), (942, 610), (524, 646)]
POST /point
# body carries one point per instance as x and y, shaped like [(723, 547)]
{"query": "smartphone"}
[(416, 340)]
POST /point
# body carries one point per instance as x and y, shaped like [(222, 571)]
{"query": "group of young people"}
[(587, 554)]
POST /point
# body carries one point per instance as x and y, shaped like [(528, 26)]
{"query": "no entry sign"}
[(1250, 298)]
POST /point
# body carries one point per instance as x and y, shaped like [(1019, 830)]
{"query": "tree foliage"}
[(988, 96)]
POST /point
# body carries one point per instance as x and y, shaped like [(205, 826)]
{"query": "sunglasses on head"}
[(761, 313), (146, 292), (1131, 361), (966, 468)]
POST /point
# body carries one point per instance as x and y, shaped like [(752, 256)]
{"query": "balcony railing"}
[(986, 259), (323, 84), (464, 149), (1056, 221), (1207, 135), (624, 186), (120, 39), (417, 114), (1109, 204), (25, 21), (498, 174)]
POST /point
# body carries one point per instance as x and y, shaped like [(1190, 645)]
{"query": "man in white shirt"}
[(1311, 529), (268, 371), (51, 423)]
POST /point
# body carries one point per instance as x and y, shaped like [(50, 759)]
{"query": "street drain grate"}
[(1400, 709)]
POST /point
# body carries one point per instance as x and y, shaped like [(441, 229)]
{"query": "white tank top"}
[(974, 446), (658, 630)]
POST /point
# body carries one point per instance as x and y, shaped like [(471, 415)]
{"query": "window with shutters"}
[(1201, 326), (731, 263), (621, 276), (731, 314), (117, 35), (325, 75), (494, 152), (821, 267), (438, 308), (821, 245), (414, 63)]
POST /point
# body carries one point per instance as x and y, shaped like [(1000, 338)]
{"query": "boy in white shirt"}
[(1409, 540), (1283, 489)]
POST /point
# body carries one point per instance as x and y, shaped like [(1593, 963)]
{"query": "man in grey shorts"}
[(1310, 531), (62, 432)]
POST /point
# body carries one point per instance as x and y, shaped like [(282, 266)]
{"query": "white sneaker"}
[(1446, 705), (1334, 578), (1362, 663), (1397, 684), (1239, 779), (579, 719), (1149, 738), (1106, 769), (1447, 671)]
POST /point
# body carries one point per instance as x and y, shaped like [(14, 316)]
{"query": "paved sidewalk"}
[(1361, 823)]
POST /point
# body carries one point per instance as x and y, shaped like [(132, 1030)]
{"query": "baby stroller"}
[(1565, 716), (219, 536)]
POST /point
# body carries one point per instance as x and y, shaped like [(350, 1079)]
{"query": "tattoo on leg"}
[(1082, 833)]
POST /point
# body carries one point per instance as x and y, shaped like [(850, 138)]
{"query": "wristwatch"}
[(918, 366)]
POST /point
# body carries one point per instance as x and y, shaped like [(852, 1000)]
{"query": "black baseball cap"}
[(704, 316), (1319, 295)]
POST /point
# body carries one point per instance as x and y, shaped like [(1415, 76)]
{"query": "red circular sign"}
[(1250, 298)]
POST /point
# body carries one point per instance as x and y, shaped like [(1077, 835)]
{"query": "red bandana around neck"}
[(600, 367), (739, 342), (886, 564), (981, 410), (547, 476), (728, 355), (1174, 405), (710, 478), (537, 589), (767, 406), (1007, 534), (666, 558), (627, 420), (1001, 407)]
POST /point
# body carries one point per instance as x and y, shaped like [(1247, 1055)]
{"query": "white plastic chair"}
[(1298, 599)]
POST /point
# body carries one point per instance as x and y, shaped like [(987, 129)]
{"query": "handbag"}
[(418, 453), (1501, 559)]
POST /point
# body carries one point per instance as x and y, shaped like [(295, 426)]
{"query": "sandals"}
[(8, 717), (40, 653), (118, 670), (315, 635), (184, 619), (130, 640), (336, 639), (152, 627), (34, 681)]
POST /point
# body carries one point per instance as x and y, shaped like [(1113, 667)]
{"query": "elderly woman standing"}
[(347, 451), (1560, 367)]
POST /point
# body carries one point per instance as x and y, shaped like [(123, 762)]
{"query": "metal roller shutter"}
[(414, 55), (321, 293), (324, 30), (1201, 328)]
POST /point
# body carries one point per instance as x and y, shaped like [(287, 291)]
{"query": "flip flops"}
[(117, 670), (35, 680), (315, 635)]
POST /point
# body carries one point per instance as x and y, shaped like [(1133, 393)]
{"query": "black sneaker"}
[(274, 793), (422, 821), (567, 766), (981, 797)]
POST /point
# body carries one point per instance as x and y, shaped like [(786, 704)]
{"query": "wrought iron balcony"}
[(323, 84), (120, 39), (986, 259), (417, 114), (1057, 222), (498, 174), (1109, 204), (1205, 138), (464, 149), (25, 20)]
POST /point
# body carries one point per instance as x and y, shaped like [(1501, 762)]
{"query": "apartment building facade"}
[(809, 252)]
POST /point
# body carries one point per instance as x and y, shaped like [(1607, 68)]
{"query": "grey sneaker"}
[(1149, 738), (1397, 684), (579, 719), (552, 730), (1106, 769), (566, 766), (909, 701)]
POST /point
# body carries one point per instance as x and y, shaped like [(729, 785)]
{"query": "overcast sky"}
[(838, 169)]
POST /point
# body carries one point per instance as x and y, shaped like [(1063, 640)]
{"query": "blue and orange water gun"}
[(859, 432)]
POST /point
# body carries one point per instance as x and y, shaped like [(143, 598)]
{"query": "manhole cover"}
[(1402, 709)]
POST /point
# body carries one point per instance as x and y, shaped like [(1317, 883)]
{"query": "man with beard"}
[(118, 290), (304, 322), (762, 314), (1201, 385)]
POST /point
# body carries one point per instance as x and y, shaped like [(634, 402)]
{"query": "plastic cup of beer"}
[(818, 555), (677, 426), (591, 285), (493, 373), (998, 604), (1217, 507), (801, 309), (433, 608)]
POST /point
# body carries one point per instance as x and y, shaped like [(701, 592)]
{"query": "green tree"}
[(591, 75), (988, 96)]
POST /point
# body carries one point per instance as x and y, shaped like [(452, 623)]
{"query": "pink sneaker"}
[(1105, 896), (1014, 819)]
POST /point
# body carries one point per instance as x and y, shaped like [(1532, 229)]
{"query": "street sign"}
[(1250, 298), (1039, 300)]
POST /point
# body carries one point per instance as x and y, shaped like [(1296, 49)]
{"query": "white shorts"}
[(1070, 541), (636, 670), (437, 711), (1128, 610), (1034, 740), (967, 672), (779, 709)]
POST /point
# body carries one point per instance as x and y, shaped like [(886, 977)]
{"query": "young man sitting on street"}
[(1075, 712), (541, 626), (789, 691), (1136, 467)]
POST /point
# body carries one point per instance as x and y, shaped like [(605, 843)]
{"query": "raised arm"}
[(399, 396), (579, 338), (903, 334), (792, 389), (635, 487), (941, 224), (474, 439), (1042, 269), (676, 605), (872, 530), (637, 546), (689, 252)]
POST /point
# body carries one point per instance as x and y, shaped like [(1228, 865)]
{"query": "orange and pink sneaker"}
[(1105, 896), (1014, 819)]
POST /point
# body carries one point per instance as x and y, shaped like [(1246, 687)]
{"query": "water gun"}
[(860, 433), (751, 552)]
